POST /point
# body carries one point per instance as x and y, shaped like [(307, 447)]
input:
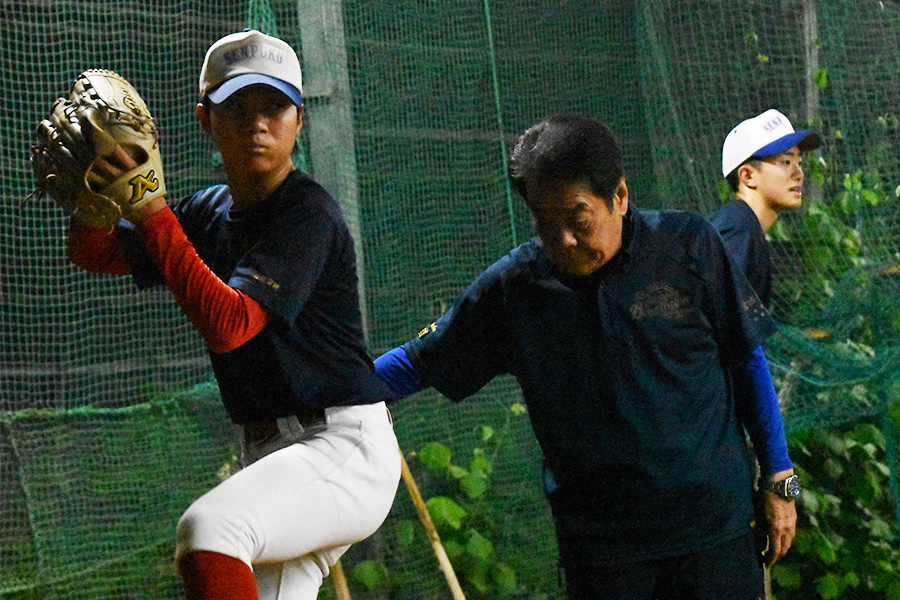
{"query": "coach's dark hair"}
[(568, 149), (732, 178)]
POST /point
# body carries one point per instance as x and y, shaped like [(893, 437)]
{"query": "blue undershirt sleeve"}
[(393, 367), (760, 413)]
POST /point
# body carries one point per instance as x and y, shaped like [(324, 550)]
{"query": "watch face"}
[(792, 486)]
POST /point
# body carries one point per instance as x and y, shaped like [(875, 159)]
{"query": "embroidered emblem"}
[(265, 281), (427, 330), (755, 309), (660, 300)]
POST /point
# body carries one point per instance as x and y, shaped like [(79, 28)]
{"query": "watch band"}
[(788, 488)]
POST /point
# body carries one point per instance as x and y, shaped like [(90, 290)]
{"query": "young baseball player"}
[(620, 325), (264, 267), (761, 159)]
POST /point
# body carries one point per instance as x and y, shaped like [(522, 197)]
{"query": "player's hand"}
[(109, 168)]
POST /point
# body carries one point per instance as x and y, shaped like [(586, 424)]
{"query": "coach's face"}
[(575, 226)]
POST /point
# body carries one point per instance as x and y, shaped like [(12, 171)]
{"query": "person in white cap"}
[(761, 160), (264, 268)]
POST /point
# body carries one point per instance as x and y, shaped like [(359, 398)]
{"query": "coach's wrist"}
[(785, 485), (779, 476)]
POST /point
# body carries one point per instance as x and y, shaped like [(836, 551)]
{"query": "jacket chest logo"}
[(660, 300)]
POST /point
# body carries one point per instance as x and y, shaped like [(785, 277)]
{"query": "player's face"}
[(255, 130), (576, 227), (780, 180)]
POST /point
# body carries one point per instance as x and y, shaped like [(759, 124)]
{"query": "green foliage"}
[(467, 517), (847, 543), (839, 246), (724, 191), (462, 516), (435, 455), (371, 573), (464, 480), (446, 513), (841, 288)]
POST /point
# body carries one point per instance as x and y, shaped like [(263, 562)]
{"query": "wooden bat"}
[(339, 580), (430, 529)]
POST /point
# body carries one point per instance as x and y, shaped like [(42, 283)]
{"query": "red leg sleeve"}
[(215, 576)]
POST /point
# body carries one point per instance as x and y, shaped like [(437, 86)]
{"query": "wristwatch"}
[(788, 488)]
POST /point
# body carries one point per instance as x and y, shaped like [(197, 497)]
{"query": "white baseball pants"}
[(302, 498)]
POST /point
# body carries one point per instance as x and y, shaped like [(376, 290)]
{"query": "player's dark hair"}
[(732, 178), (568, 149)]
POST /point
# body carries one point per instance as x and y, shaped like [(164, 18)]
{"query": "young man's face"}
[(779, 180), (255, 130), (576, 227)]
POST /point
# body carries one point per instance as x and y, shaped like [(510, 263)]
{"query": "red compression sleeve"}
[(96, 249), (214, 576), (224, 316)]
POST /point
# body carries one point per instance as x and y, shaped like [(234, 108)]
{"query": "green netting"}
[(90, 528), (836, 355), (108, 425)]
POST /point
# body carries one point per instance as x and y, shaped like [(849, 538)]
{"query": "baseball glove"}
[(97, 154)]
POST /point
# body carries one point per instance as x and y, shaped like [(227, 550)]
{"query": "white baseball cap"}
[(763, 135), (248, 57)]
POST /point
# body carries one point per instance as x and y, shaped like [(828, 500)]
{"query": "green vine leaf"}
[(480, 462), (445, 512), (871, 197), (519, 409), (370, 573), (454, 549), (474, 485), (826, 551), (787, 576), (457, 472), (503, 576), (865, 486), (830, 586), (478, 546), (477, 575), (471, 551), (405, 533), (435, 455)]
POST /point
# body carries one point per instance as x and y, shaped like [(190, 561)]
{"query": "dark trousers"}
[(729, 571)]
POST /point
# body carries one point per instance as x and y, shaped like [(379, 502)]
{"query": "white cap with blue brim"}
[(764, 135), (246, 58)]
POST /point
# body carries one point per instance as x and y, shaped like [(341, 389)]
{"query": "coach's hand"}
[(780, 521)]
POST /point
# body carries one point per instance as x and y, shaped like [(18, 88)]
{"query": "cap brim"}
[(229, 87), (805, 141)]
